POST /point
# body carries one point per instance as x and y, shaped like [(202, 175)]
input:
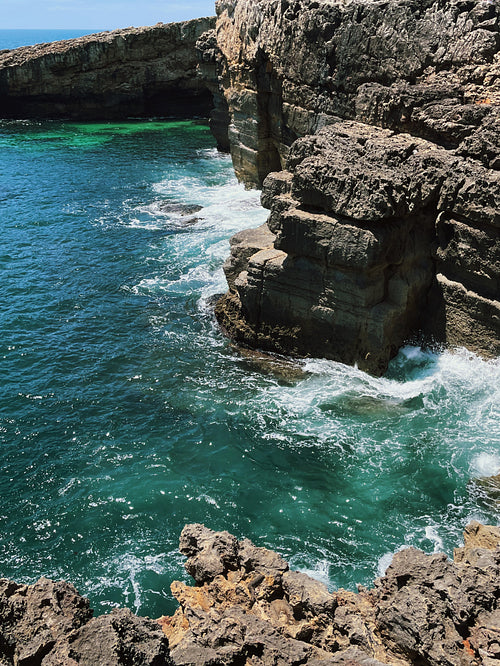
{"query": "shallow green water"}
[(125, 414)]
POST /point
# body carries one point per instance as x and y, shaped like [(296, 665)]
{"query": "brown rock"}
[(50, 624), (381, 234)]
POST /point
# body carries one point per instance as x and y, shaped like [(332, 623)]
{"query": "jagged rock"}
[(249, 609), (33, 618), (134, 71), (118, 639), (370, 227), (425, 610), (50, 624), (382, 235), (209, 553)]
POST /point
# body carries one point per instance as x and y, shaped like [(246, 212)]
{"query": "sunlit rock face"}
[(378, 124), (132, 72), (249, 608)]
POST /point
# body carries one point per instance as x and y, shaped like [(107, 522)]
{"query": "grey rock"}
[(382, 235), (117, 639), (50, 624), (210, 553), (35, 617), (150, 71)]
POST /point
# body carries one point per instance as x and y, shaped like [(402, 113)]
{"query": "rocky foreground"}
[(248, 608)]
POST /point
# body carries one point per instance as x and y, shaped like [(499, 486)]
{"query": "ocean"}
[(125, 413)]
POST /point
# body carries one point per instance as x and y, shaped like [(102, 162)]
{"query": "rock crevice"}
[(384, 122), (248, 608)]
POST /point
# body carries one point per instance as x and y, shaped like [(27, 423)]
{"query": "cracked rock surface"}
[(248, 608), (374, 128)]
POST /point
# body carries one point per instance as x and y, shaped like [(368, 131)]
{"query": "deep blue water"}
[(124, 413), (12, 39)]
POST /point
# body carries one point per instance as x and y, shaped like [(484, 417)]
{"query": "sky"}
[(98, 14)]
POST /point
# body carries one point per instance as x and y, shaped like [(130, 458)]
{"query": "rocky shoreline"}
[(145, 71), (373, 127), (248, 608)]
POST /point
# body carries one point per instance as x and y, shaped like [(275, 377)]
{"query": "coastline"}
[(428, 243), (248, 607)]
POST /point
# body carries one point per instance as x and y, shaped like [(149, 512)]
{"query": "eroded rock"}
[(50, 624), (382, 235), (149, 71), (426, 609)]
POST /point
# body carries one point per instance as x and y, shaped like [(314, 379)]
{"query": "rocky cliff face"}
[(249, 609), (136, 71), (430, 68), (379, 123)]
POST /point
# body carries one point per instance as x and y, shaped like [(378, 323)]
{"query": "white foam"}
[(432, 535), (320, 571), (486, 464)]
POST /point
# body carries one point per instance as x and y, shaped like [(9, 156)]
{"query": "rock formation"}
[(50, 624), (379, 123), (374, 127), (131, 72), (249, 609)]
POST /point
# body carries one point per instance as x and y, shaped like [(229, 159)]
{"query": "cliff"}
[(249, 609), (131, 72), (374, 127)]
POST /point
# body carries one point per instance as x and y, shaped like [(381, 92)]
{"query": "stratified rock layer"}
[(249, 609), (386, 210), (427, 67), (136, 71)]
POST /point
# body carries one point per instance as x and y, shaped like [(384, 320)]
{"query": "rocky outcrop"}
[(377, 235), (288, 67), (385, 210), (50, 624), (132, 72), (248, 608)]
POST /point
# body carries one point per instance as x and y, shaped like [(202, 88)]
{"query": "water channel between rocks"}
[(125, 413)]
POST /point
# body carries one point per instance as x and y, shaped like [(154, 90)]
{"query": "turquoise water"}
[(125, 414)]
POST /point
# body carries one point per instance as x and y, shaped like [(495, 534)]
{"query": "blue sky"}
[(98, 14)]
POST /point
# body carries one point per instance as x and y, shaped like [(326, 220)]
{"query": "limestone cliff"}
[(131, 72), (380, 124), (248, 608)]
